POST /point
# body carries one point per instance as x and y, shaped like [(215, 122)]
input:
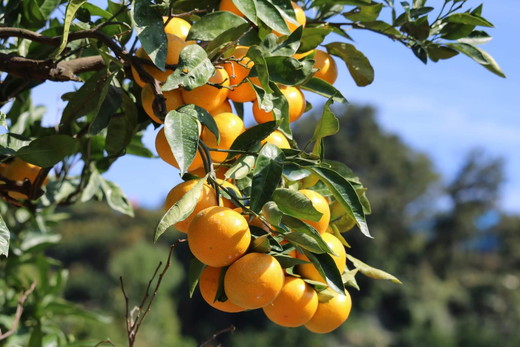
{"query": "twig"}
[(19, 311), (230, 329), (133, 324)]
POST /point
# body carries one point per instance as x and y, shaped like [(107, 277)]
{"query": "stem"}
[(19, 311)]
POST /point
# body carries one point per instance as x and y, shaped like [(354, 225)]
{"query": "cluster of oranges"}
[(237, 276)]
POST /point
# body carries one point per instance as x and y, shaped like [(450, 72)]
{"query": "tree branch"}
[(19, 311)]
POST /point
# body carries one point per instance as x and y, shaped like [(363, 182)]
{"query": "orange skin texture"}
[(296, 101), (18, 170), (201, 172), (278, 139), (244, 92), (207, 96), (177, 26), (320, 204), (254, 280), (309, 270), (295, 305), (165, 153), (173, 101), (227, 5), (207, 198), (331, 314), (208, 285), (175, 46), (229, 126), (222, 108), (328, 70), (218, 236)]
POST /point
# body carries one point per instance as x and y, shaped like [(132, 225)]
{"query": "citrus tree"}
[(264, 216)]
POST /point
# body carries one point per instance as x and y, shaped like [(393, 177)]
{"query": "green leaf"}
[(260, 68), (468, 19), (328, 124), (248, 8), (181, 209), (203, 116), (210, 26), (3, 120), (295, 204), (93, 186), (182, 134), (477, 37), (5, 236), (227, 37), (305, 235), (272, 213), (345, 193), (419, 29), (119, 133), (323, 88), (241, 168), (194, 270), (252, 136), (382, 27), (287, 261), (271, 16), (357, 64), (266, 175), (97, 11), (366, 13), (436, 52), (290, 45), (288, 70), (48, 150), (149, 28), (328, 269), (312, 38), (480, 56), (116, 198), (111, 103), (372, 272), (70, 12), (194, 69)]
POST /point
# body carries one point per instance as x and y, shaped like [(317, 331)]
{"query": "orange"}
[(227, 5), (229, 126), (295, 305), (310, 181), (328, 71), (207, 96), (330, 314), (175, 46), (300, 18), (165, 153), (309, 271), (229, 187), (173, 101), (296, 101), (201, 172), (218, 236), (320, 204), (208, 285), (223, 107), (207, 198), (177, 26), (254, 280), (238, 71), (278, 139), (19, 170), (252, 220)]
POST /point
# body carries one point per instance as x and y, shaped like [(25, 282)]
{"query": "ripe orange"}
[(207, 96), (295, 305), (223, 107), (310, 181), (237, 72), (173, 101), (278, 139), (218, 236), (320, 204), (19, 170), (309, 271), (207, 198), (208, 285), (330, 314), (300, 18), (254, 280), (229, 126), (328, 71), (227, 5), (296, 101), (165, 153), (175, 46), (177, 26)]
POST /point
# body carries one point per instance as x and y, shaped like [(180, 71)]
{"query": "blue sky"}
[(443, 109)]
